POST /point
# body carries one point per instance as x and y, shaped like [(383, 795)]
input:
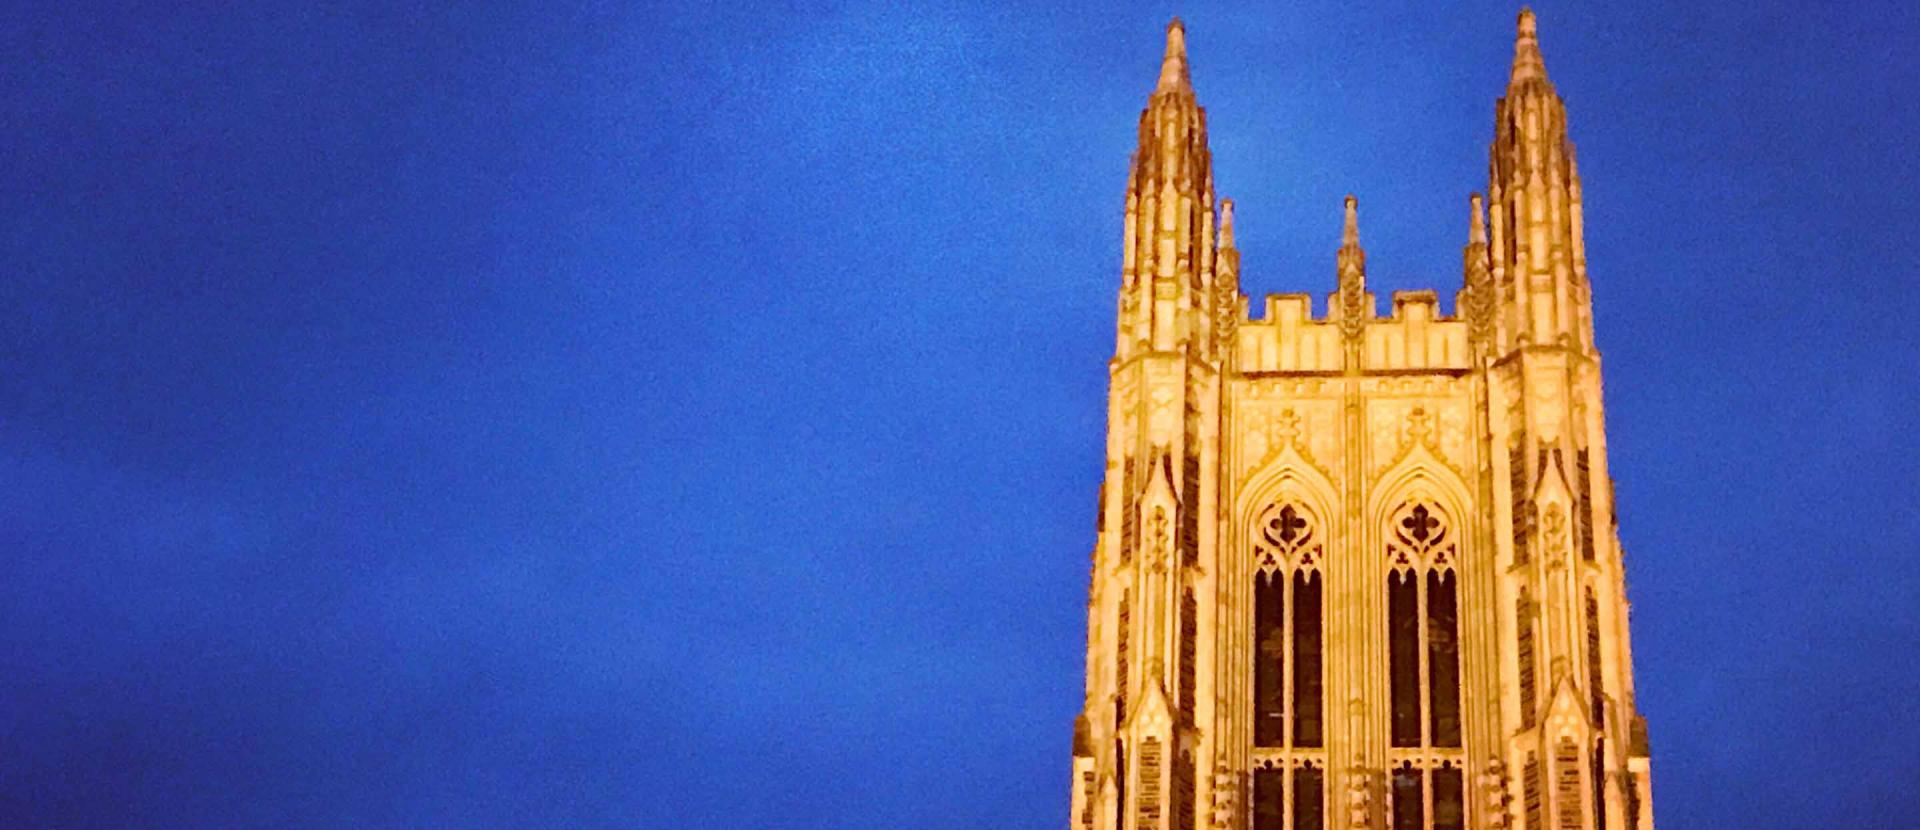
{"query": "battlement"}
[(1287, 337)]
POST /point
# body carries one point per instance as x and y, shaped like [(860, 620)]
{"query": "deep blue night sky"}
[(592, 415)]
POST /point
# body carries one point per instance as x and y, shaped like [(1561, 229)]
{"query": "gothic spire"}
[(1527, 63), (1476, 298), (1477, 223), (1533, 205), (1173, 67), (1352, 262), (1226, 286), (1170, 257)]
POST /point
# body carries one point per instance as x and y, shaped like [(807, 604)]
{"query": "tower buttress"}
[(1573, 723), (1149, 701)]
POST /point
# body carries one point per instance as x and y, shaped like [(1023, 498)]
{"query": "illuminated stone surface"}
[(1358, 571)]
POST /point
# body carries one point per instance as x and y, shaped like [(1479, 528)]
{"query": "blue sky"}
[(612, 415)]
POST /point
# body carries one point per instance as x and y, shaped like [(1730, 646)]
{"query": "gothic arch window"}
[(1423, 665), (1289, 592)]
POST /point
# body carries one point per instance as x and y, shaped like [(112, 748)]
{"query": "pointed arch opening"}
[(1287, 546), (1421, 531)]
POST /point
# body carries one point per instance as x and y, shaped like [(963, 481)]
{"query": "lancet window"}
[(1190, 509), (1129, 512), (1598, 777), (1189, 653), (1522, 505), (1289, 593), (1120, 662), (1423, 661)]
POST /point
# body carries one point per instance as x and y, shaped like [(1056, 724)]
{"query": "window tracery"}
[(1288, 671), (1423, 657)]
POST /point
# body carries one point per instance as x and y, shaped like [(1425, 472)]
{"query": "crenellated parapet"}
[(1287, 337)]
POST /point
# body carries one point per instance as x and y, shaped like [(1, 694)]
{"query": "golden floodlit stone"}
[(1358, 571)]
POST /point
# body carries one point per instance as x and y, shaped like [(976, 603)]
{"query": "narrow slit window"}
[(1532, 795), (1120, 667), (1599, 699), (1600, 783), (1522, 509), (1189, 652), (1523, 626), (1583, 521)]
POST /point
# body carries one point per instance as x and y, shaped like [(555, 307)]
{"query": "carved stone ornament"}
[(1285, 537), (1421, 536), (1158, 553)]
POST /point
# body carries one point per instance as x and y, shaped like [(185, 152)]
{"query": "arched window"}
[(1288, 669), (1423, 663)]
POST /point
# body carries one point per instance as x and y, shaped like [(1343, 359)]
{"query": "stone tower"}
[(1358, 571)]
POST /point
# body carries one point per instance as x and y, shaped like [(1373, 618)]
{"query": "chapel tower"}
[(1358, 572)]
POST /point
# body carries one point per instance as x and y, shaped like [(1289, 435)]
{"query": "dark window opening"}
[(1269, 648), (1403, 624), (1269, 799), (1443, 657), (1309, 800), (1409, 804), (1306, 660), (1449, 809)]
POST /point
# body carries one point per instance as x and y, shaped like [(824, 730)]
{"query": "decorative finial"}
[(1477, 229), (1226, 223), (1173, 67), (1527, 63), (1350, 235)]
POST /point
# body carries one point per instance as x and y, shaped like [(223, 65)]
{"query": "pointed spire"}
[(1476, 296), (1527, 63), (1226, 224), (1352, 261), (1169, 200), (1173, 67)]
